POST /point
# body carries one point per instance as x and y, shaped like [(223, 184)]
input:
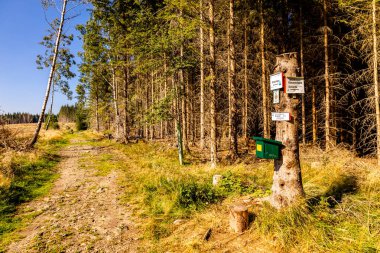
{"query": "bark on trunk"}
[(178, 124), (245, 96), (314, 114), (126, 121), (51, 109), (327, 82), (165, 93), (263, 76), (287, 182), (152, 128), (51, 75), (303, 109), (202, 81), (213, 146), (233, 152), (376, 80), (115, 103), (97, 108)]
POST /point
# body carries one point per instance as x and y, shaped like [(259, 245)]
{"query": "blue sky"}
[(22, 27)]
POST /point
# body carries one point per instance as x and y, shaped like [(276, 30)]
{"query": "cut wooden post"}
[(239, 218), (216, 179), (287, 182)]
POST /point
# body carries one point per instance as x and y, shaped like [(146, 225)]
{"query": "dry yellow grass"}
[(27, 130)]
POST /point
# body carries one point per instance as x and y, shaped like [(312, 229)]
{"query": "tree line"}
[(198, 71), (66, 114)]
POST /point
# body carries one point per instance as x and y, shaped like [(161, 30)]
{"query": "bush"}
[(196, 195), (53, 122), (8, 138), (80, 122)]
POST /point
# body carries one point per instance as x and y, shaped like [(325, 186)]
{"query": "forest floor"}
[(110, 197)]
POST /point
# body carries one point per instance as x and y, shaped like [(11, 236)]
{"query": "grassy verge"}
[(26, 176), (341, 212), (162, 192)]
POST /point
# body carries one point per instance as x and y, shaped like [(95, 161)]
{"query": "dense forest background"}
[(67, 113), (152, 65), (198, 71)]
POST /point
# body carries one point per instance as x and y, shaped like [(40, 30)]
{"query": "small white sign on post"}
[(295, 85), (276, 96), (276, 81), (280, 116)]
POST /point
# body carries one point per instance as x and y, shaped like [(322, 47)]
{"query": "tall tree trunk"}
[(202, 81), (183, 92), (115, 93), (152, 128), (165, 92), (183, 103), (51, 75), (51, 109), (314, 114), (233, 152), (213, 146), (245, 85), (146, 128), (178, 122), (188, 110), (126, 120), (287, 181), (263, 75), (376, 80), (303, 109), (97, 107), (327, 81), (229, 85)]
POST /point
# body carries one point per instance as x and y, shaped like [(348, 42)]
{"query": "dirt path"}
[(82, 213)]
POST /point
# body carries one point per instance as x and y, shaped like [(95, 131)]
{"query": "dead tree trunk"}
[(51, 75), (287, 182)]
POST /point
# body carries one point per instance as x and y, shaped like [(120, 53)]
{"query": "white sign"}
[(295, 85), (276, 96), (280, 116), (276, 81)]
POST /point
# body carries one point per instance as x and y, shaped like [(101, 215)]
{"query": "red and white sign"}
[(294, 85)]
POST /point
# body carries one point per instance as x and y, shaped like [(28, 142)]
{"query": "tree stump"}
[(239, 218)]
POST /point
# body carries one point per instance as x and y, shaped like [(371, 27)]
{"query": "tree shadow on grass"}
[(345, 184)]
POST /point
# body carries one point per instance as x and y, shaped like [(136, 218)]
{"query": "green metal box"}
[(267, 149)]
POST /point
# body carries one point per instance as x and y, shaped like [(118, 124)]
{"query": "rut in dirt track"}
[(82, 213)]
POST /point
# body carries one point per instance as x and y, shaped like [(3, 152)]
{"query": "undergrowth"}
[(165, 191), (341, 212)]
